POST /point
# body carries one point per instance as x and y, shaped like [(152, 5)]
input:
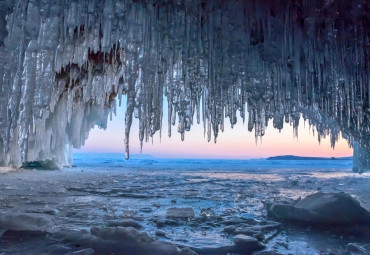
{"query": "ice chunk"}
[(247, 243), (326, 209), (131, 241), (25, 222), (180, 213)]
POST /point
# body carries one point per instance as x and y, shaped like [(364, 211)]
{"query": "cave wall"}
[(64, 63)]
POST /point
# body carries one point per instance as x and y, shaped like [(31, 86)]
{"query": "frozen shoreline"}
[(77, 199)]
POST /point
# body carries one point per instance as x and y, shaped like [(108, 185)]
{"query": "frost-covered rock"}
[(337, 209)]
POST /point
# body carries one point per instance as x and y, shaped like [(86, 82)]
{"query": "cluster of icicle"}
[(64, 62)]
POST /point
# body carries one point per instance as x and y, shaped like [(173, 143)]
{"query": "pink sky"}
[(233, 143)]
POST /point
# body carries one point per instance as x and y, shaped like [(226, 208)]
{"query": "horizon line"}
[(221, 158)]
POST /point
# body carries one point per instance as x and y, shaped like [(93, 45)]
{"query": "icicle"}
[(209, 58)]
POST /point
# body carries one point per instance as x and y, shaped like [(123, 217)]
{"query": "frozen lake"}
[(105, 190)]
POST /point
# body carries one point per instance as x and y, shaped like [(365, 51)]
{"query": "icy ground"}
[(105, 190)]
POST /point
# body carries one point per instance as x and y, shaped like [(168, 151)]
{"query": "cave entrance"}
[(233, 143)]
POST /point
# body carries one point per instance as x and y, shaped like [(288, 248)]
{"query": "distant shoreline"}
[(292, 157), (149, 156)]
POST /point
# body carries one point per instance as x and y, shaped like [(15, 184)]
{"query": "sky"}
[(236, 143)]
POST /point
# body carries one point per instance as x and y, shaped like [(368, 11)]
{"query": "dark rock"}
[(229, 229), (170, 222), (160, 224), (160, 233), (260, 237)]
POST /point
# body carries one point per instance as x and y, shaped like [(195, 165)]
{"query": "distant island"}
[(292, 157)]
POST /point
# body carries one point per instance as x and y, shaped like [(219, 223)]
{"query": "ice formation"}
[(65, 62)]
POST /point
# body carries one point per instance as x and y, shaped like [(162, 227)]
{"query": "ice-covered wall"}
[(64, 62)]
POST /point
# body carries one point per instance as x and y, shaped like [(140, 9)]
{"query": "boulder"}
[(322, 208)]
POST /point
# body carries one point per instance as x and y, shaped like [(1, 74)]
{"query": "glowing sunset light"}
[(236, 143)]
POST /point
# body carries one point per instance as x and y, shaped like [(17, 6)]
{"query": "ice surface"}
[(87, 202), (64, 63)]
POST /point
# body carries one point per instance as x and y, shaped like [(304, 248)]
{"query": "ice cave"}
[(65, 63)]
